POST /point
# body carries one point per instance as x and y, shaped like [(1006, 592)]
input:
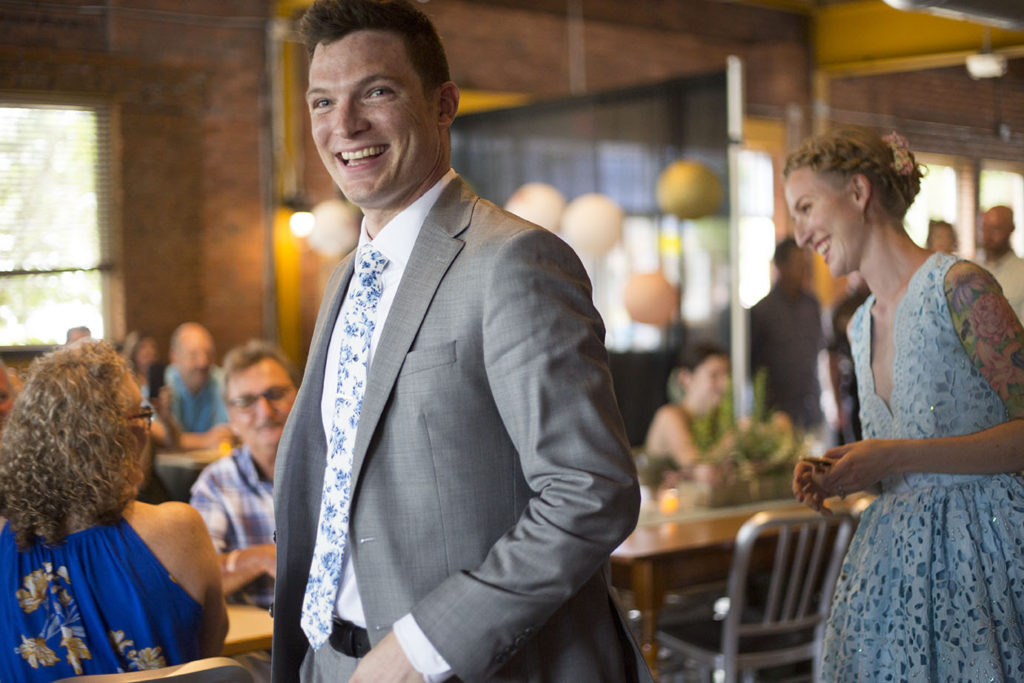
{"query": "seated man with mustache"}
[(235, 495)]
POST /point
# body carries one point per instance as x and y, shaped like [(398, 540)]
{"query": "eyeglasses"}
[(145, 413), (273, 395)]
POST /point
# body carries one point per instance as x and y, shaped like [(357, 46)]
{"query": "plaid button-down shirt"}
[(238, 508)]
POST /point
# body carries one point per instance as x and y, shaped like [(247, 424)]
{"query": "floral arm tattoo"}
[(989, 330)]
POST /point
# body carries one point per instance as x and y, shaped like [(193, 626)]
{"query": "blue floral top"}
[(100, 602)]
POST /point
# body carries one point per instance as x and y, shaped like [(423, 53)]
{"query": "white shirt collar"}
[(396, 239)]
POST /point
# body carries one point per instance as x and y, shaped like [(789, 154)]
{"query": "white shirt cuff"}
[(420, 651)]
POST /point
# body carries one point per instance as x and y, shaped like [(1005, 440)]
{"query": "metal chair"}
[(209, 670), (775, 618)]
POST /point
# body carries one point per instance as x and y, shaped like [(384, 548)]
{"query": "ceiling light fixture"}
[(986, 65)]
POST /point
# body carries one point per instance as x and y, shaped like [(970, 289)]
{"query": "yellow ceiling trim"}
[(868, 31), (288, 8), (473, 101)]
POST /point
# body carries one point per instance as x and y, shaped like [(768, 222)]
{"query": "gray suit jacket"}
[(493, 476)]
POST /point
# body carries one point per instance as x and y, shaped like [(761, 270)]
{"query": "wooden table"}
[(250, 628), (671, 552)]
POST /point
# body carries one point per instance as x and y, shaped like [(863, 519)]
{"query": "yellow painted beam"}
[(472, 101), (288, 279), (868, 31), (288, 8)]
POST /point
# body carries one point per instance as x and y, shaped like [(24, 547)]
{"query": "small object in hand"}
[(821, 463)]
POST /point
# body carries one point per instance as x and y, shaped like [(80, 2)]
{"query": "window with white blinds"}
[(54, 220)]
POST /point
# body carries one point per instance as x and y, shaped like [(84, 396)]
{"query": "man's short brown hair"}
[(329, 20)]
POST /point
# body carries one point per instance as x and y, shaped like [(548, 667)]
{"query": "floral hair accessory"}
[(902, 162)]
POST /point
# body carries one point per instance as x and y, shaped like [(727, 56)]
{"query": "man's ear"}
[(447, 103)]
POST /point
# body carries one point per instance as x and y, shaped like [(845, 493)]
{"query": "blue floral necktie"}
[(332, 533)]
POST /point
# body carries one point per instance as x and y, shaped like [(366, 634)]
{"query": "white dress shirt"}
[(395, 241), (1008, 270)]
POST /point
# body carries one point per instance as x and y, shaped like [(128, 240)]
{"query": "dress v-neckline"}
[(896, 318)]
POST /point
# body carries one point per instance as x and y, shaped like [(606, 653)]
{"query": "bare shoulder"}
[(671, 414), (968, 276), (666, 426), (177, 536), (167, 522)]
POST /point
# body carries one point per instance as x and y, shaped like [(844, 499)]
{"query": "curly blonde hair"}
[(68, 454), (891, 168)]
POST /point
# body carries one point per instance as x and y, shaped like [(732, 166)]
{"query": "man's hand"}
[(240, 567), (386, 663)]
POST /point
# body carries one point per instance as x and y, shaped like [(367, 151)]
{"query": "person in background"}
[(142, 354), (92, 581), (997, 256), (786, 336), (840, 363), (932, 587), (76, 333), (6, 394), (941, 237), (9, 386), (193, 391), (457, 394), (235, 495), (703, 376)]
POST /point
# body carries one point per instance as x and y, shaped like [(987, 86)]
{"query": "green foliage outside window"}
[(52, 222)]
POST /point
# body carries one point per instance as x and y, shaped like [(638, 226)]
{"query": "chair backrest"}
[(209, 670), (785, 617)]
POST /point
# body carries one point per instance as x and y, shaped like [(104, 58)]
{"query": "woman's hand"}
[(806, 487), (856, 467)]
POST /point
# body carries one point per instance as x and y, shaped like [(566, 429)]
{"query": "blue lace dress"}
[(100, 602), (932, 588)]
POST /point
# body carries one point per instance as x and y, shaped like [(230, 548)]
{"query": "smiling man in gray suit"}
[(489, 475)]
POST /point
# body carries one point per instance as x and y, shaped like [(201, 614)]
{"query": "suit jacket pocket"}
[(427, 358)]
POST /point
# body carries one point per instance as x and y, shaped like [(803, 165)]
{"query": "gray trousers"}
[(326, 665)]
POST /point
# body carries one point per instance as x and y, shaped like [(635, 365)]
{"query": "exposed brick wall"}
[(941, 110), (185, 80)]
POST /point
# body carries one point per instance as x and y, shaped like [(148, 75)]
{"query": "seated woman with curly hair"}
[(92, 581)]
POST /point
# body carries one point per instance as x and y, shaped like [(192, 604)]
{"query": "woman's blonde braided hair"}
[(886, 162)]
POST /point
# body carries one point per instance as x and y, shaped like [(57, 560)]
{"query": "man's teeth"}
[(822, 248), (362, 153)]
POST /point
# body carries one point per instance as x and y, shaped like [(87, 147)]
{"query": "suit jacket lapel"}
[(308, 402), (436, 247)]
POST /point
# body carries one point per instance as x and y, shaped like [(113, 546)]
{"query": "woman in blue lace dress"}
[(92, 581), (932, 588)]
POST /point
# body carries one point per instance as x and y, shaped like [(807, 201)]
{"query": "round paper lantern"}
[(538, 203), (592, 223), (650, 298), (335, 228), (689, 189)]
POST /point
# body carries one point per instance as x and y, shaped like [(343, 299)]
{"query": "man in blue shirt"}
[(194, 389)]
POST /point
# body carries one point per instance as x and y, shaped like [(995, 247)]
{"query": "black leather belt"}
[(349, 639)]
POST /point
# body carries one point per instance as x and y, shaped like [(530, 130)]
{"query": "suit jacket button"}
[(271, 609)]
